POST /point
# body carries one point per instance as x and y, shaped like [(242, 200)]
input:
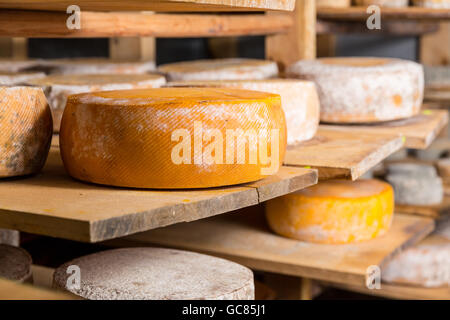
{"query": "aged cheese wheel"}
[(97, 66), (299, 100), (383, 3), (333, 3), (17, 65), (14, 78), (157, 274), (334, 212), (220, 69), (358, 90), (58, 87), (25, 130), (435, 4), (173, 137), (15, 263), (11, 237)]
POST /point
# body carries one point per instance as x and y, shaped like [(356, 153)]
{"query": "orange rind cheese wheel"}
[(334, 212), (172, 138), (26, 130)]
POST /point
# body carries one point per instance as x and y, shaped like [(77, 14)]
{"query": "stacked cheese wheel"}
[(14, 78), (220, 69), (383, 3), (360, 90), (58, 87), (173, 137), (435, 4), (334, 212), (26, 130), (299, 100)]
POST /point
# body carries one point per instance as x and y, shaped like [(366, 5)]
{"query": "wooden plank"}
[(438, 211), (419, 131), (360, 14), (342, 154), (245, 238), (152, 5), (51, 203), (432, 52), (10, 290), (32, 24)]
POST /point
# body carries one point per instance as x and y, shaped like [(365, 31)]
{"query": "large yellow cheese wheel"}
[(220, 69), (299, 100), (15, 78), (58, 87), (25, 130), (334, 212), (383, 3), (358, 90), (435, 4), (173, 137)]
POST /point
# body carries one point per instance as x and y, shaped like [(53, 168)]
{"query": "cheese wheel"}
[(186, 137), (358, 90), (434, 4), (11, 237), (157, 274), (220, 69), (299, 101), (334, 212), (58, 87), (15, 263), (17, 65), (97, 66), (333, 3), (14, 78), (426, 264), (383, 3), (25, 130)]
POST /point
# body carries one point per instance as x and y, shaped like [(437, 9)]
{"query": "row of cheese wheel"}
[(435, 4)]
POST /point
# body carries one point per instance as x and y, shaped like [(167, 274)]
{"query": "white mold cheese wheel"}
[(25, 130), (173, 138), (220, 69), (157, 274), (299, 101), (58, 87), (426, 264), (334, 212), (333, 3), (15, 263), (17, 65), (364, 90), (15, 78), (98, 66), (434, 4), (383, 3)]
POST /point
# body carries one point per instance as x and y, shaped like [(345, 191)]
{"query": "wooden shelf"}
[(10, 290), (51, 203), (245, 238), (341, 154), (152, 5), (22, 23), (419, 131), (438, 211), (360, 14)]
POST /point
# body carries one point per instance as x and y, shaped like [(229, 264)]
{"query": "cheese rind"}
[(220, 69), (299, 101), (58, 87), (359, 90), (15, 263), (26, 130), (334, 212), (15, 78), (164, 138), (434, 4), (383, 3)]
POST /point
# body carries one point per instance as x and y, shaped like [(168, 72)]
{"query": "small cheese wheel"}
[(25, 130), (426, 264), (14, 78), (333, 3), (299, 101), (383, 3), (186, 137), (17, 65), (334, 212), (15, 263), (220, 69), (58, 87), (157, 274), (434, 4), (358, 90), (97, 66)]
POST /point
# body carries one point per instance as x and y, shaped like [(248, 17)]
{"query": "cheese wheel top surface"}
[(345, 189), (15, 263), (158, 274), (95, 79)]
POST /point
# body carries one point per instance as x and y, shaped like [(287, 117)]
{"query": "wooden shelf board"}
[(245, 238), (342, 154), (22, 23), (360, 14), (152, 5), (438, 211), (53, 204), (10, 290), (419, 131)]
